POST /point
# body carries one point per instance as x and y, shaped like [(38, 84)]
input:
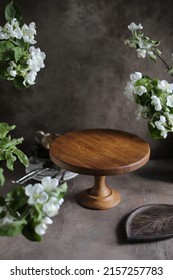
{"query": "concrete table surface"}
[(83, 234)]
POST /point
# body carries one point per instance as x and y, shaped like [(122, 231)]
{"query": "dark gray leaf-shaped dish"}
[(150, 222)]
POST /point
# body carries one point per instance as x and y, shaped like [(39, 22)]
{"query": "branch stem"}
[(163, 61)]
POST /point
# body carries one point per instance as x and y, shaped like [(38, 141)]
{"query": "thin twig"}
[(164, 62)]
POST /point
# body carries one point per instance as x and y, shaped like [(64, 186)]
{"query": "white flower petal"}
[(29, 190), (40, 229), (50, 184), (160, 126), (133, 26), (156, 103), (43, 197), (61, 201), (165, 86), (38, 188), (135, 77), (47, 221), (31, 200), (51, 207), (140, 90), (169, 101), (141, 53), (128, 91)]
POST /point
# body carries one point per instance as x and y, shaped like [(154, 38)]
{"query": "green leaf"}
[(29, 232), (8, 149), (154, 132), (6, 51), (2, 178), (18, 82), (4, 129), (153, 57), (12, 10), (10, 159), (2, 201), (17, 198), (3, 70), (21, 156), (12, 229), (18, 52), (63, 187), (158, 52), (2, 214)]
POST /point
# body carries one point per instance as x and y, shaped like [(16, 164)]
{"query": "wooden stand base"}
[(100, 196)]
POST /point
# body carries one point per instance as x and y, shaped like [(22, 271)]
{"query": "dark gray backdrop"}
[(87, 67)]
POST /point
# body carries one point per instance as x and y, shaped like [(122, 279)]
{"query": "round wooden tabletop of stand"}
[(99, 152)]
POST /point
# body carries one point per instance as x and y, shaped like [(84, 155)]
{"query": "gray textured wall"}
[(87, 67)]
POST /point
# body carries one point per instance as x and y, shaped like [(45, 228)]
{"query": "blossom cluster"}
[(144, 45), (25, 60), (154, 99), (13, 30), (35, 207), (45, 195)]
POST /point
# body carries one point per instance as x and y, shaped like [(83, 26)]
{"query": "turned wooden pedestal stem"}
[(99, 152), (99, 196)]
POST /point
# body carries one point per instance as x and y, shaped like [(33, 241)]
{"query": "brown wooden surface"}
[(100, 196), (99, 152)]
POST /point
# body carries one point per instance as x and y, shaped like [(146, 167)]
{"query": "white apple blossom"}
[(41, 228), (139, 111), (36, 194), (45, 197), (151, 53), (61, 201), (36, 59), (135, 76), (51, 207), (156, 103), (8, 30), (29, 32), (35, 62), (169, 101), (164, 133), (144, 45), (140, 90), (141, 53), (165, 86), (12, 29), (12, 72), (29, 59), (154, 98), (133, 26), (49, 184), (17, 32), (160, 126), (170, 119), (144, 48), (128, 90), (30, 78)]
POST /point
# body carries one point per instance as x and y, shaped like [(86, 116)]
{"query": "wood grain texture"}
[(99, 152)]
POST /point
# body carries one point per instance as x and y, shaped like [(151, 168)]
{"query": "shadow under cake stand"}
[(100, 153)]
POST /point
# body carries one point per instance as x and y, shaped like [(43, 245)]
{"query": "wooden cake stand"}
[(99, 152)]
